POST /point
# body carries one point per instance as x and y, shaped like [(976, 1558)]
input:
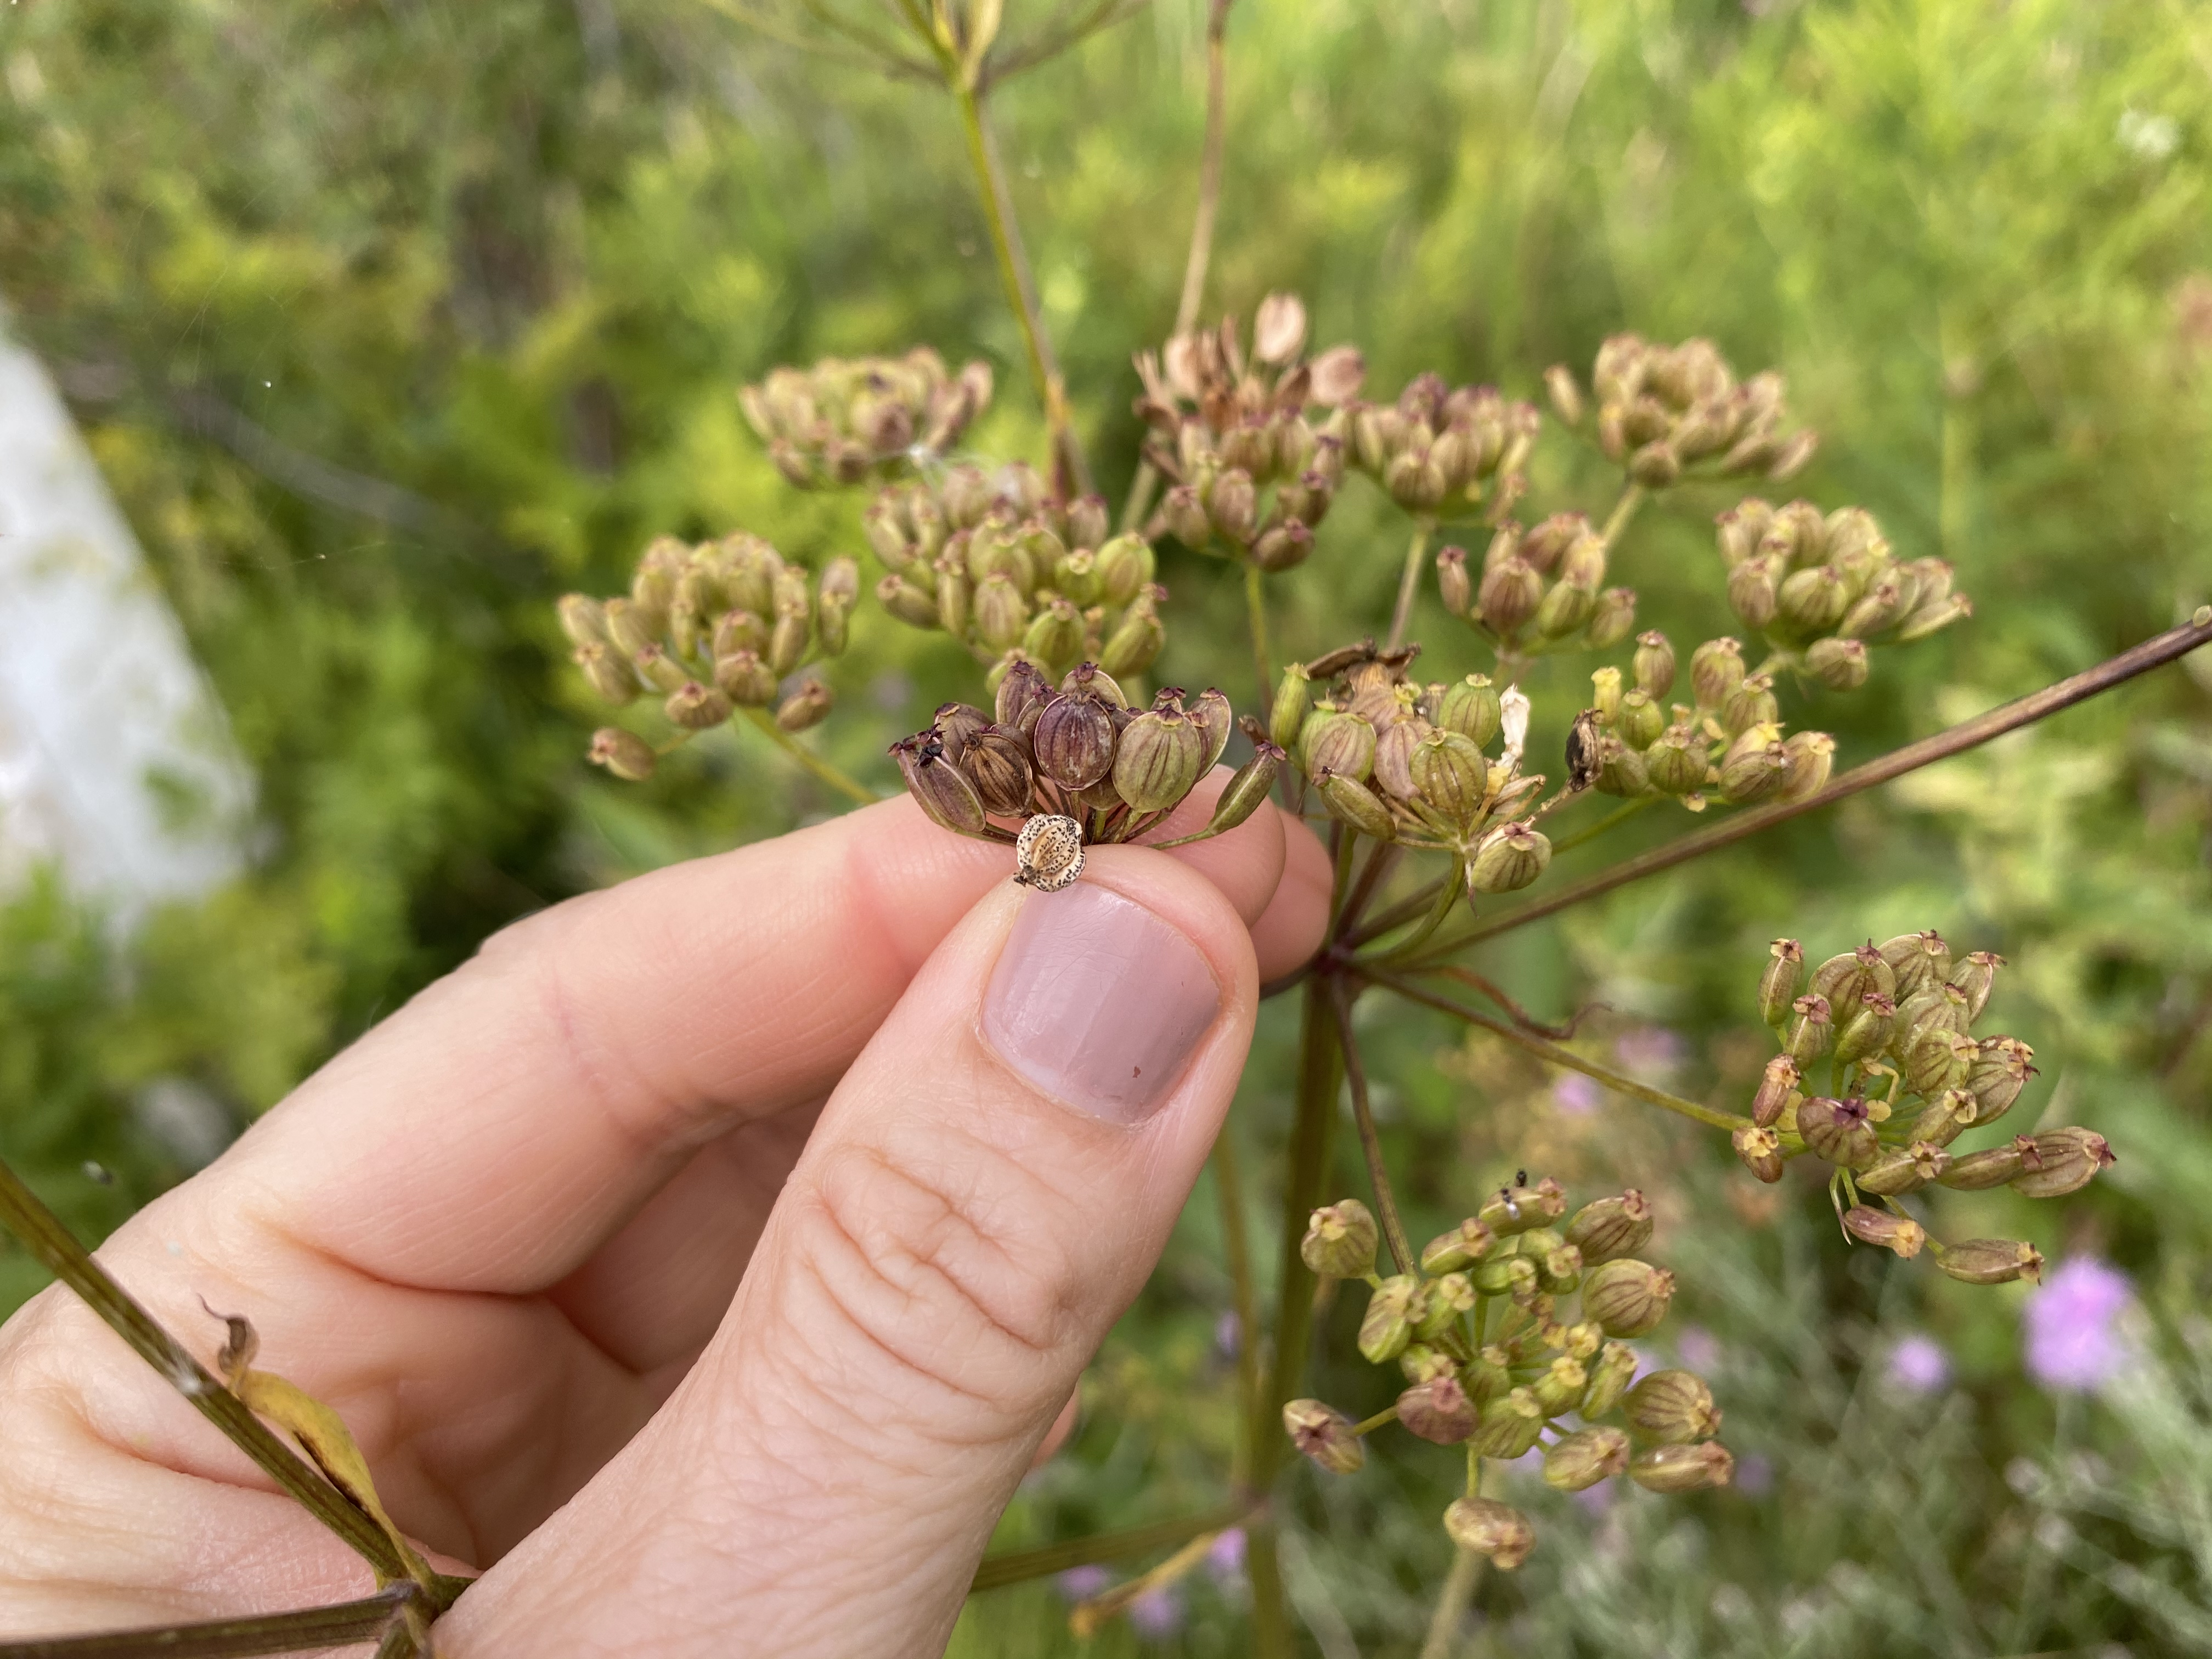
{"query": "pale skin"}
[(690, 1264)]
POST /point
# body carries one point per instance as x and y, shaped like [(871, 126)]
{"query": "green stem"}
[(25, 1215), (851, 788), (1590, 832), (998, 211), (1544, 1049), (1448, 891), (1370, 1143), (1617, 521), (1236, 1253), (1956, 740), (1452, 1605), (1255, 611), (1409, 583), (1018, 1566), (342, 1625), (1321, 1074)]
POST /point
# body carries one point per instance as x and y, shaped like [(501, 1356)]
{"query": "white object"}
[(115, 758)]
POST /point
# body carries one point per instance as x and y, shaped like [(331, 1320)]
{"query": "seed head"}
[(1683, 1468), (1576, 1461), (1671, 1408), (1611, 1227), (1324, 1435), (1049, 855), (1992, 1262), (1610, 1374), (2064, 1161), (1510, 1425), (1628, 1298), (1840, 1131), (1463, 1246), (625, 754), (1392, 1311), (1496, 1531), (1508, 859), (1900, 1234), (1340, 1240), (1438, 1409)]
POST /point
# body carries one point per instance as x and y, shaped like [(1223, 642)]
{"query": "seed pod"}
[(1216, 720), (1340, 1241), (625, 754), (1942, 1118), (1576, 1461), (1903, 1169), (1939, 1059), (1438, 1411), (1454, 585), (1717, 672), (1610, 1374), (1656, 466), (1683, 1468), (1518, 1209), (1565, 396), (1838, 1131), (1760, 1150), (1838, 663), (808, 705), (1560, 1388), (1048, 854), (1778, 983), (1653, 664), (626, 626), (1247, 790), (1605, 696), (1974, 978), (1073, 745), (1511, 1425), (1394, 756), (696, 708), (1751, 587), (1055, 635), (1676, 762), (1339, 742), (1640, 721), (998, 764), (1508, 859), (1755, 767), (1325, 1436), (1232, 506), (1993, 1166), (1509, 593), (746, 679), (1443, 1301), (1611, 1227), (1896, 1233), (2068, 1160), (1751, 707), (1933, 618), (1777, 1085), (1392, 1311), (913, 605), (660, 672), (1463, 1246), (1293, 702), (1612, 619), (1563, 610), (1809, 757), (1451, 778), (1124, 567), (1628, 1298), (1159, 760), (1496, 1531), (1867, 1032), (1021, 696), (1812, 601), (1671, 1408), (1353, 803), (1811, 1031), (1505, 1275), (1992, 1262), (941, 788), (1999, 1072), (582, 619), (1419, 1362), (606, 673), (1919, 960), (743, 630)]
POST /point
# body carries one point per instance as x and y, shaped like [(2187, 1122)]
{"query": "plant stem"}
[(1632, 497), (1413, 904), (339, 1625), (1452, 1605), (1378, 1176), (1018, 1566), (1237, 1251), (1447, 895), (1321, 1073), (25, 1215), (1255, 611), (1409, 583), (2153, 653), (1590, 832), (1620, 1083), (851, 789), (1071, 472), (1201, 255)]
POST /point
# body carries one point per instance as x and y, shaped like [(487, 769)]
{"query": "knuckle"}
[(935, 1257)]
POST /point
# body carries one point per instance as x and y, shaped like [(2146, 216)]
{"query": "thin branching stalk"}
[(1521, 1015), (877, 57), (1414, 904), (851, 787), (1004, 65), (1209, 167), (1019, 1566), (1544, 1049), (343, 1624), (1452, 1604), (23, 1213), (1956, 740), (1612, 820), (1409, 581), (1370, 1143), (1255, 612), (1624, 510)]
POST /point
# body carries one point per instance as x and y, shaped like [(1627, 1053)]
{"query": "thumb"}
[(985, 1194)]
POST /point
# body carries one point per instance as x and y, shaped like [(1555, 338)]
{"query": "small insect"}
[(1585, 743), (1050, 853), (1512, 1205), (1520, 1177)]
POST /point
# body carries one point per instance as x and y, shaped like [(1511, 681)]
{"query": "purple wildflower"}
[(1156, 1613), (1755, 1474), (1698, 1349), (1225, 1335), (1224, 1559), (1917, 1364), (1081, 1584), (2071, 1339), (1575, 1095)]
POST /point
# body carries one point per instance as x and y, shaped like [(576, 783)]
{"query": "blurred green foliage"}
[(388, 324)]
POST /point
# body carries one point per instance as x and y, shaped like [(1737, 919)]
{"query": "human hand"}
[(708, 1260)]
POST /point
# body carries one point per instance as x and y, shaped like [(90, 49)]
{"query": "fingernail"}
[(1098, 1002)]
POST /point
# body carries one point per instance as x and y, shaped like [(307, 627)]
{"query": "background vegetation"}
[(390, 323)]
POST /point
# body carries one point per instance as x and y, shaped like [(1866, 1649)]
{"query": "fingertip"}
[(1289, 931)]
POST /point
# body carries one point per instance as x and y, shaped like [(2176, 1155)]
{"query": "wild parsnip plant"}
[(1418, 761)]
